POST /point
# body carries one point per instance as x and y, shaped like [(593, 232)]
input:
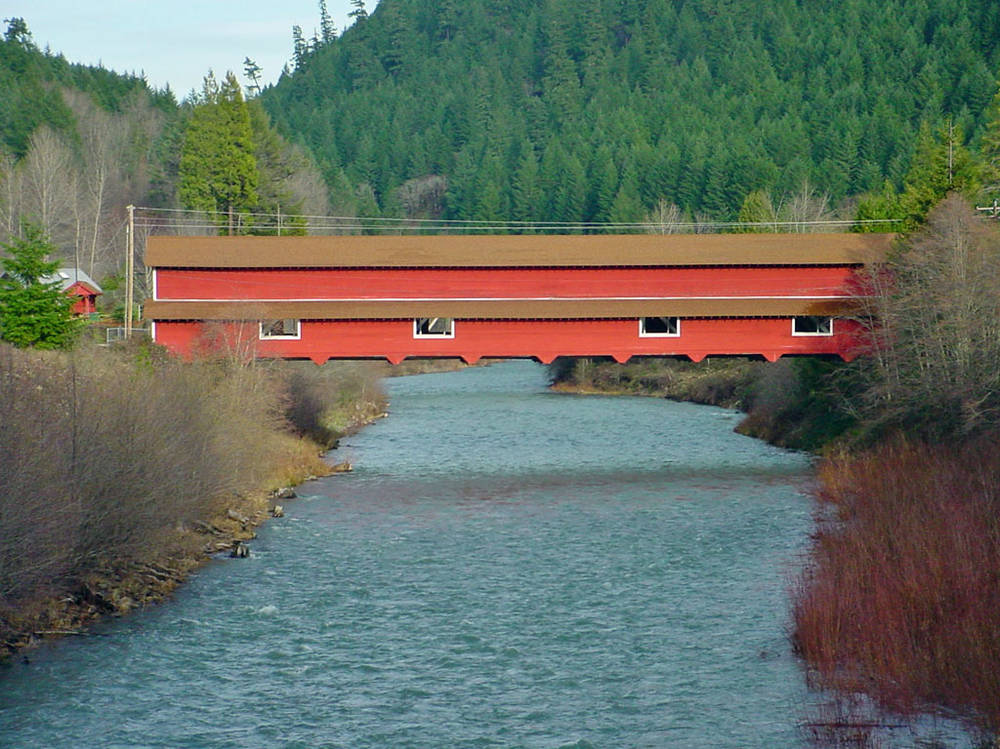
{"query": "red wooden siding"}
[(542, 339), (493, 283)]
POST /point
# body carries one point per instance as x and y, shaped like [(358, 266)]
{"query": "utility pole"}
[(129, 270), (951, 152)]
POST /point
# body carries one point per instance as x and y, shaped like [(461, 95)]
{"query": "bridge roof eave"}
[(542, 309), (517, 251)]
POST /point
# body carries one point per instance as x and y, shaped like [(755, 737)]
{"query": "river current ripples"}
[(506, 567)]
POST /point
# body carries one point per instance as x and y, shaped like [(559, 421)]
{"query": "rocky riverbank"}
[(123, 471), (116, 587)]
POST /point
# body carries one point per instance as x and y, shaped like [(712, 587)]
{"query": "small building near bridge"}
[(76, 283), (539, 296)]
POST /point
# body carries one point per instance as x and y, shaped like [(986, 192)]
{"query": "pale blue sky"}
[(174, 41)]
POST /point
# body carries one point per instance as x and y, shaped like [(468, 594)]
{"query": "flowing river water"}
[(506, 567)]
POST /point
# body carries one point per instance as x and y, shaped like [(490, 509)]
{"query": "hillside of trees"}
[(515, 110), (80, 143), (626, 110)]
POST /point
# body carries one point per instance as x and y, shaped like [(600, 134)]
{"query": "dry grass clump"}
[(902, 601), (106, 457), (327, 401)]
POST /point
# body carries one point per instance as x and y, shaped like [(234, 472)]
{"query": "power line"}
[(202, 221)]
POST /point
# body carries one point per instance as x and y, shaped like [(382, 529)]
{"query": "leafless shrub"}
[(423, 197), (325, 402), (666, 218), (902, 599), (805, 209), (935, 327), (101, 457)]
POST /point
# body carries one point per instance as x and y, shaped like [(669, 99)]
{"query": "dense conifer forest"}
[(33, 82), (623, 111), (615, 110)]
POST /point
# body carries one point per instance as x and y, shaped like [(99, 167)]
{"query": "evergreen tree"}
[(395, 35), (327, 29), (447, 19), (218, 171), (561, 82), (252, 71), (875, 209), (989, 147), (526, 189), (33, 311), (604, 185), (757, 208), (359, 13), (627, 207), (300, 48), (940, 165)]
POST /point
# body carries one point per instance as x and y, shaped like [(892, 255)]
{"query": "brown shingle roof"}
[(515, 251)]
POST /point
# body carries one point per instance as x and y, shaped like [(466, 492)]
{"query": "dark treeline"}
[(558, 110)]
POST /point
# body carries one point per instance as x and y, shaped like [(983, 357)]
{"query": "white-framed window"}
[(659, 327), (434, 327), (287, 330), (812, 325)]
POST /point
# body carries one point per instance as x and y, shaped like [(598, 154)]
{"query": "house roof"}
[(490, 251), (67, 276)]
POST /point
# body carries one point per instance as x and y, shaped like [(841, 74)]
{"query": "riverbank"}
[(901, 599), (788, 403), (901, 595), (124, 471), (726, 382)]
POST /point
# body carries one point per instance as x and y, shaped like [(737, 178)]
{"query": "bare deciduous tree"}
[(805, 207), (10, 195), (423, 197), (49, 189), (664, 219), (935, 336)]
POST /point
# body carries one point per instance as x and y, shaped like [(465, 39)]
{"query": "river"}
[(506, 567)]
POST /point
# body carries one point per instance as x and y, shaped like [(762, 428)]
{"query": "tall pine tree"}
[(218, 170)]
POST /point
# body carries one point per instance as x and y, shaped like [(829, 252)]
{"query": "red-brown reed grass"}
[(902, 598)]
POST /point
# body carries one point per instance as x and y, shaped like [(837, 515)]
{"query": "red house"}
[(75, 282), (694, 295)]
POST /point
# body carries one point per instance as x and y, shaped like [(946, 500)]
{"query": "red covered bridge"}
[(395, 297)]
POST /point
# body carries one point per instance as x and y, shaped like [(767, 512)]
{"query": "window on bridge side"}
[(434, 327), (283, 329), (659, 327), (812, 325)]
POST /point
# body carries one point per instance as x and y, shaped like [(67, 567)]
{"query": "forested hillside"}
[(80, 143), (623, 110), (77, 143)]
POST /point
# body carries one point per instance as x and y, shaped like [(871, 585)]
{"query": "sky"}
[(174, 42)]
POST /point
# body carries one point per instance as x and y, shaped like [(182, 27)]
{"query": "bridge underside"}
[(544, 340)]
